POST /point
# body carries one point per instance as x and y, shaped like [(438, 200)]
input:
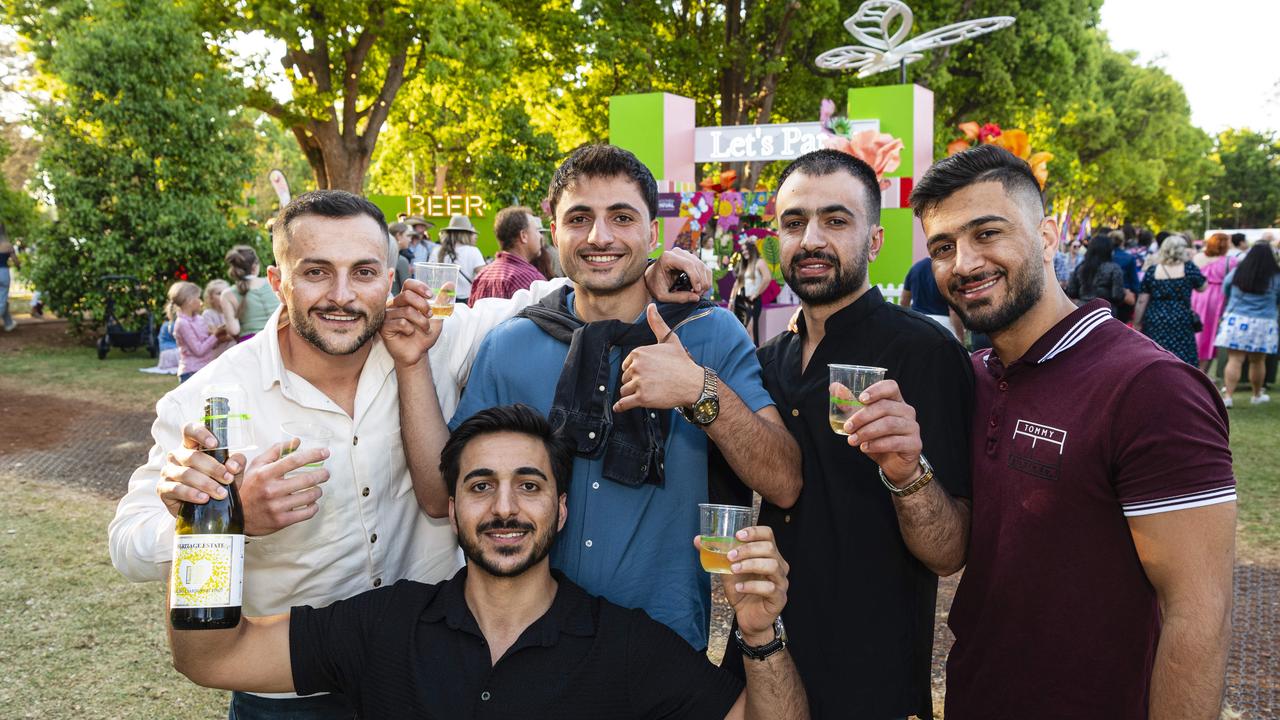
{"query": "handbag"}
[(1197, 323)]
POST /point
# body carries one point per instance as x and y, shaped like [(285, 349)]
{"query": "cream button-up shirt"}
[(369, 530)]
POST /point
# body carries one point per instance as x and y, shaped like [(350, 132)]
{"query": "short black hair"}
[(325, 203), (984, 163), (599, 160), (509, 223), (1160, 236), (518, 418), (821, 163), (1238, 239)]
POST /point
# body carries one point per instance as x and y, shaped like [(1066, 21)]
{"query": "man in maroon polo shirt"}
[(519, 233), (1098, 582)]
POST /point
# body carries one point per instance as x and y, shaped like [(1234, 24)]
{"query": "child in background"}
[(195, 341), (212, 300), (168, 347)]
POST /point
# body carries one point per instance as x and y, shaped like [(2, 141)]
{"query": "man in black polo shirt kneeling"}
[(507, 636)]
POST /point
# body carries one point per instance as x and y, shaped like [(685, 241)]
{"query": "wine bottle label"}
[(208, 571)]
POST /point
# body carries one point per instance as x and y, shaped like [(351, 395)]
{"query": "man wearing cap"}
[(519, 234), (420, 241), (457, 247)]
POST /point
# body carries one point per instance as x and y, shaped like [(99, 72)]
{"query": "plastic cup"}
[(442, 280), (237, 422), (720, 525), (303, 435), (847, 383)]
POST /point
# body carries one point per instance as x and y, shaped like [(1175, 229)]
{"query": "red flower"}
[(989, 131)]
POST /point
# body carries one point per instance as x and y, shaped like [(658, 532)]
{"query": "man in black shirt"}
[(872, 530), (507, 636)]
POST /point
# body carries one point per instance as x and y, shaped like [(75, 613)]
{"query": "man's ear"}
[(877, 243), (653, 235), (1049, 237), (453, 520), (564, 511), (276, 279)]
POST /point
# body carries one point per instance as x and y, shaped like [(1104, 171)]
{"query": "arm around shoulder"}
[(140, 536), (251, 657)]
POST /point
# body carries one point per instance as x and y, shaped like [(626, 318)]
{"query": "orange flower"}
[(970, 130), (1040, 167), (879, 150), (957, 146), (1015, 141)]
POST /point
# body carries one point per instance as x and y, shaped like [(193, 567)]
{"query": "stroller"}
[(117, 335)]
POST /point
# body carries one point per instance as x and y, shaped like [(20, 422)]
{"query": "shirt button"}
[(588, 543), (373, 538), (1003, 385), (653, 416), (355, 439), (591, 435), (601, 388), (994, 422), (795, 412), (485, 695), (595, 485), (365, 492), (786, 518), (377, 582)]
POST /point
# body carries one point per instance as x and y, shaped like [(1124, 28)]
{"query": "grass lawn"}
[(1255, 447), (78, 640), (77, 373)]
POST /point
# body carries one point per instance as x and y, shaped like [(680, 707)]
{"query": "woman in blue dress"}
[(1164, 311)]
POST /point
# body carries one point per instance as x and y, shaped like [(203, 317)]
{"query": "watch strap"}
[(761, 652), (926, 477)]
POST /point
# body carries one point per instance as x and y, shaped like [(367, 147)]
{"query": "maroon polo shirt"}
[(502, 278), (1054, 617)]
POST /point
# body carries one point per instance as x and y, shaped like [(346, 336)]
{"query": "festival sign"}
[(757, 143)]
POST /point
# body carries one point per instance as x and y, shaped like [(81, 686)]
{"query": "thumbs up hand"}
[(662, 376)]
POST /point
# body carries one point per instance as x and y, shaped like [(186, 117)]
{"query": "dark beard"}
[(826, 292), (307, 331), (541, 546), (1024, 293)]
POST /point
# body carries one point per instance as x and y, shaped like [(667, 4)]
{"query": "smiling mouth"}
[(600, 258), (506, 537), (338, 317), (977, 289)]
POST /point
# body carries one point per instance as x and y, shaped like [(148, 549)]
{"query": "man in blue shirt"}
[(920, 293), (1128, 266), (640, 421)]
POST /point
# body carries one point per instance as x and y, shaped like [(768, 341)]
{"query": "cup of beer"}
[(847, 383), (442, 280), (720, 525), (303, 435)]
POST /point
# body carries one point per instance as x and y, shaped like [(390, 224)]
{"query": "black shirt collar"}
[(572, 612), (850, 314)]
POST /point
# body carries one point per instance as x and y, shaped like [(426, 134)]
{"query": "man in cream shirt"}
[(318, 535)]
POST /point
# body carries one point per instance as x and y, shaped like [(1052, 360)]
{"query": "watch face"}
[(706, 410)]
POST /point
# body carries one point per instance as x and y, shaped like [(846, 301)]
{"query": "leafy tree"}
[(1250, 163), (144, 153)]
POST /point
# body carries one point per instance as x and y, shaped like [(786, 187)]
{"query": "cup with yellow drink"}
[(847, 383)]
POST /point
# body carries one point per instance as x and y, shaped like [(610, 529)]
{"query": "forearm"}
[(762, 453), (935, 527), (253, 656), (1140, 309), (1191, 661), (774, 690), (424, 432)]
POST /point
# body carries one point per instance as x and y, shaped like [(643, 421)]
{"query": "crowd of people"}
[(506, 518)]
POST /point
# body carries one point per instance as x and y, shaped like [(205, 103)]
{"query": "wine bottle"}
[(208, 547)]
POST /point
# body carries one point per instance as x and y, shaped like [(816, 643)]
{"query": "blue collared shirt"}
[(631, 545)]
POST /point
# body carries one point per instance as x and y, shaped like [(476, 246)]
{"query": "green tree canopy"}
[(1250, 176), (144, 151)]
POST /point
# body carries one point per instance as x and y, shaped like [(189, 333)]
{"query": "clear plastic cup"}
[(719, 528), (847, 383), (442, 280)]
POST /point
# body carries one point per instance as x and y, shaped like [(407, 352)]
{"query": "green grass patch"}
[(1255, 430), (80, 641), (77, 373)]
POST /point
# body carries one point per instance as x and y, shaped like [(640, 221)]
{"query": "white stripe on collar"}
[(1078, 332)]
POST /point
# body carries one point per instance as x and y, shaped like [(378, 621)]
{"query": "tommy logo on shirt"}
[(1037, 449)]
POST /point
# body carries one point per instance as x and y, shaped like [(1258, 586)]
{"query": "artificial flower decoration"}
[(1014, 140), (720, 184), (881, 151)]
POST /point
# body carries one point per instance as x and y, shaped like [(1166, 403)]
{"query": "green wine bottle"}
[(208, 548)]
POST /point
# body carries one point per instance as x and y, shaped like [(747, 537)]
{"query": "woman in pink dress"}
[(1214, 265)]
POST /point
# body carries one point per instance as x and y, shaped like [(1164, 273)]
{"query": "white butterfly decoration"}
[(881, 51)]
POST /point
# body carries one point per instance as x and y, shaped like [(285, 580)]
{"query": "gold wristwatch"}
[(916, 485), (706, 408)]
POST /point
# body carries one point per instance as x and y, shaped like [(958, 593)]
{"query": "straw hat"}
[(415, 220), (460, 223)]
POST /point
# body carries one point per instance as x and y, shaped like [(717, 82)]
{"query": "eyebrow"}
[(329, 263), (824, 210), (975, 222), (488, 472)]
